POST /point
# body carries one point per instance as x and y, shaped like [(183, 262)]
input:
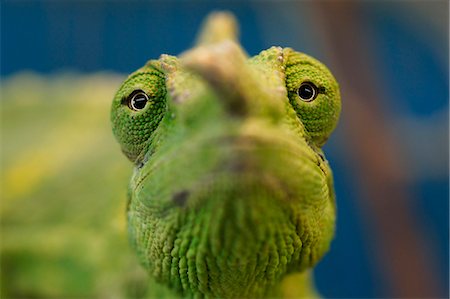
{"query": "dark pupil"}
[(306, 91), (139, 101)]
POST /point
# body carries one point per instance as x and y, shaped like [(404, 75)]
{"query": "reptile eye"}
[(137, 100), (307, 91)]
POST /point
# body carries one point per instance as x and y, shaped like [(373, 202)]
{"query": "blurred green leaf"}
[(63, 191)]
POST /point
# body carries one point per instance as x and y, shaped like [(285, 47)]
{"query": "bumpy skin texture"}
[(231, 196)]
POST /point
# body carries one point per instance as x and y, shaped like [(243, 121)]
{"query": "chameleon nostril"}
[(180, 198)]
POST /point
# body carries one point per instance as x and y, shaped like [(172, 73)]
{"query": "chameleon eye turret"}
[(314, 94), (231, 195), (137, 110)]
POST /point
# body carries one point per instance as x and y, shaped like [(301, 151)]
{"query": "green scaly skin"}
[(231, 196)]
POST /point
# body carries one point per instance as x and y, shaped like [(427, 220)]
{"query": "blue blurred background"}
[(389, 153)]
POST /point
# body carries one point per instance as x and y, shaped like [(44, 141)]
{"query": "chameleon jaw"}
[(237, 205)]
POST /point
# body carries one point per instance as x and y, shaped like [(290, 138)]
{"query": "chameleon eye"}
[(137, 100), (137, 109), (307, 91)]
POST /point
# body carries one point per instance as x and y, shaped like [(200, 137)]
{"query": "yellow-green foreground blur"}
[(63, 226)]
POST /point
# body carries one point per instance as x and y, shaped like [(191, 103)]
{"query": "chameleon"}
[(231, 195)]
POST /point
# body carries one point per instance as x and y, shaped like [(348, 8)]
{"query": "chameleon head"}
[(231, 191)]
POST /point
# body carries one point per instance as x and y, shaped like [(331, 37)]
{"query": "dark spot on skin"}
[(180, 198)]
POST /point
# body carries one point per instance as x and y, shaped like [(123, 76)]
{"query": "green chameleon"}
[(231, 196)]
